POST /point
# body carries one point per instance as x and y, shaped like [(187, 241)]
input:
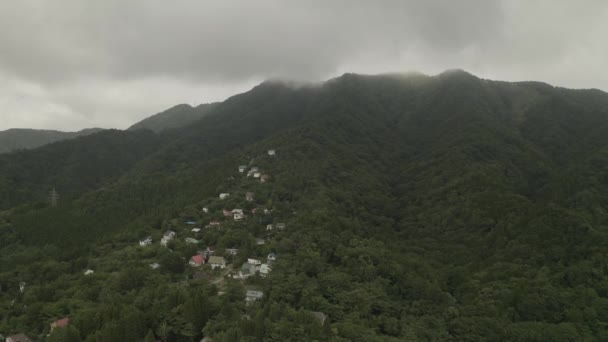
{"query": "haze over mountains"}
[(417, 207), (23, 138), (175, 117)]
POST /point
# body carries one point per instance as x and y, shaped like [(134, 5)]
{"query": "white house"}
[(257, 174), (232, 251), (205, 210), (191, 240), (249, 173), (22, 286), (269, 227), (196, 230), (272, 152), (217, 262), (264, 270), (255, 169), (168, 236), (154, 266), (145, 241), (223, 195), (242, 168), (254, 262), (239, 216), (87, 272)]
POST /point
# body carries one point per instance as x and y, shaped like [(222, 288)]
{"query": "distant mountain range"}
[(24, 139), (175, 117)]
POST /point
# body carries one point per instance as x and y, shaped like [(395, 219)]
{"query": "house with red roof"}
[(60, 323), (197, 260)]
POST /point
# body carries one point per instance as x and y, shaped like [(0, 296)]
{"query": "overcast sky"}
[(73, 64)]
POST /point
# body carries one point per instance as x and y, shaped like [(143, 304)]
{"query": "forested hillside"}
[(23, 139), (385, 208), (175, 117)]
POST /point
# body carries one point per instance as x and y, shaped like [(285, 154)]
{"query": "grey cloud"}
[(108, 63)]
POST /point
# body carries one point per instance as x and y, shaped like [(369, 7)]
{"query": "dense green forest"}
[(415, 208)]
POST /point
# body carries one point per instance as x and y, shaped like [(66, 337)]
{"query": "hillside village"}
[(394, 209), (214, 259), (197, 229)]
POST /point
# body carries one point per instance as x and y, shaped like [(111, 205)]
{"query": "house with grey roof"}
[(252, 296)]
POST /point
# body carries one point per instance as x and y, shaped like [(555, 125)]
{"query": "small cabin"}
[(264, 270), (18, 338), (223, 195), (217, 262), (60, 323), (272, 152)]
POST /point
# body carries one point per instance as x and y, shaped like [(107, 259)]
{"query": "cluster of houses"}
[(236, 214), (206, 257), (254, 266), (254, 172)]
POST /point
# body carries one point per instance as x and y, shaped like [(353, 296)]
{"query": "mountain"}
[(22, 139), (435, 208), (174, 117)]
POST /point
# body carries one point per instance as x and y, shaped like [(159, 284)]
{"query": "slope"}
[(420, 208)]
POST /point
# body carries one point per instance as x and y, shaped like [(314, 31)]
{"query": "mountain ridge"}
[(25, 138), (416, 208)]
